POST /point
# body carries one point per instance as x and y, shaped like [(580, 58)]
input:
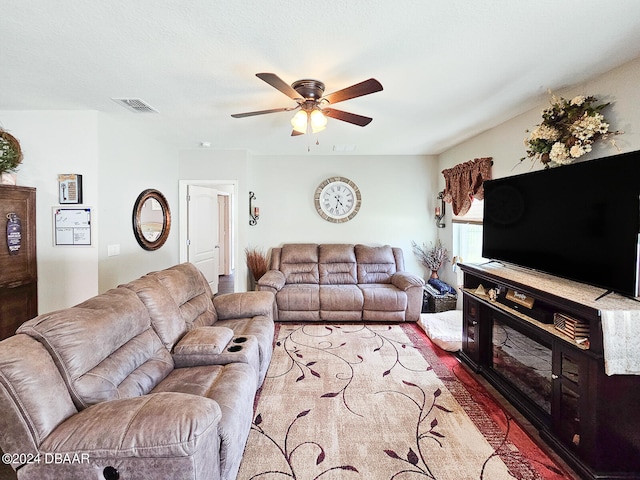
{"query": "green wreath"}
[(10, 153)]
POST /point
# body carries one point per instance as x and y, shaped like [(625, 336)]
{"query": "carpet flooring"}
[(380, 402)]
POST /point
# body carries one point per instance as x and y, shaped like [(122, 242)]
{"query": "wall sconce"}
[(254, 212), (440, 211)]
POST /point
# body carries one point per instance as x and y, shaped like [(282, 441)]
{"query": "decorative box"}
[(570, 326), (433, 301)]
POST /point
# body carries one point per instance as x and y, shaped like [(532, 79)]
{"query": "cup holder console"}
[(234, 348), (239, 339)]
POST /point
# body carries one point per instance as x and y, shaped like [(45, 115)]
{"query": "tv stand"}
[(558, 382)]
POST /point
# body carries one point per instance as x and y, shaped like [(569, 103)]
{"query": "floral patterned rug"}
[(375, 402)]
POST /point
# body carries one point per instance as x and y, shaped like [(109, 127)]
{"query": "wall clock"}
[(337, 199)]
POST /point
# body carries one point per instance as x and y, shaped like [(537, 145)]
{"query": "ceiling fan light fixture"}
[(299, 121), (313, 105), (318, 121)]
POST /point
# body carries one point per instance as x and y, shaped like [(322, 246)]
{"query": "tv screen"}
[(579, 221)]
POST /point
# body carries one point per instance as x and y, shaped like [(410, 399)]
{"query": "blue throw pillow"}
[(442, 287)]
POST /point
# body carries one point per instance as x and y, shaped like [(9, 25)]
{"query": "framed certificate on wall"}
[(70, 188)]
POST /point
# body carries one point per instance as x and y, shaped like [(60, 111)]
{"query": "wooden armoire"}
[(18, 269)]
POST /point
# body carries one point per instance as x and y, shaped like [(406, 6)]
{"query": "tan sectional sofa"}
[(342, 282), (153, 379)]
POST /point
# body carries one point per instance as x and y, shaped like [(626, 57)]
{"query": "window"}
[(467, 242), (467, 236)]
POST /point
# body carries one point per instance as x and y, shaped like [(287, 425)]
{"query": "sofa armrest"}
[(243, 305), (160, 425), (272, 281), (405, 280)]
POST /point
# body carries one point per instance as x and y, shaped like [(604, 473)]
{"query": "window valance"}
[(463, 183)]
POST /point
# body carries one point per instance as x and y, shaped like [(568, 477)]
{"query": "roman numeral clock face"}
[(337, 199)]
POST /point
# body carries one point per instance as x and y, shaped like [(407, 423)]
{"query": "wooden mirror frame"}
[(166, 219)]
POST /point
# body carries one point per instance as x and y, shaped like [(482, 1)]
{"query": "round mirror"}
[(151, 219)]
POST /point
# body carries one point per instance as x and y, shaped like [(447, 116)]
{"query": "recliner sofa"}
[(153, 379), (342, 282)]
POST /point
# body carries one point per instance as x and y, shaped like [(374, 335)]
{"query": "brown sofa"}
[(153, 379), (342, 282)]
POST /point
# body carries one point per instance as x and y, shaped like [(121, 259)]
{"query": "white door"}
[(202, 232)]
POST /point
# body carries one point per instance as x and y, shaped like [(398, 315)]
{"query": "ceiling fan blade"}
[(295, 133), (357, 90), (276, 82), (262, 112), (347, 117)]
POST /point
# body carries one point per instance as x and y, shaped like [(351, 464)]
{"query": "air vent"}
[(135, 105)]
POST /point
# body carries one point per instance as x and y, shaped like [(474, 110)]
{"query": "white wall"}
[(398, 198), (398, 194), (505, 143), (133, 159), (55, 142), (118, 157)]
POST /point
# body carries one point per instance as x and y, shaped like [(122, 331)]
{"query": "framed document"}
[(70, 188), (72, 226)]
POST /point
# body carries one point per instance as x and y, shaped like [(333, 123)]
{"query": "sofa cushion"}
[(178, 299), (341, 302), (191, 292), (233, 387), (375, 264), (299, 263), (104, 347), (341, 297), (384, 298), (134, 428), (337, 264), (184, 445), (204, 340), (33, 396), (163, 312), (299, 297)]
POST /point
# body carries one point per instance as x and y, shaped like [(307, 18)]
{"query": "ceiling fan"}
[(313, 106)]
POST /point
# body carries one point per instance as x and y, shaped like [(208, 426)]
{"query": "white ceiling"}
[(450, 68)]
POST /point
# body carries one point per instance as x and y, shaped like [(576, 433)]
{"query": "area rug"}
[(372, 402)]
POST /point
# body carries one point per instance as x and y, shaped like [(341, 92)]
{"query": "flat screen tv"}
[(579, 221)]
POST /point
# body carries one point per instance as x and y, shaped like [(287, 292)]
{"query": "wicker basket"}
[(438, 303)]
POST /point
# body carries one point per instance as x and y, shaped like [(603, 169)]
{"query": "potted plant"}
[(10, 157), (433, 257), (257, 263)]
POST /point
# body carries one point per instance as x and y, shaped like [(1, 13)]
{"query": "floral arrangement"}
[(568, 130), (433, 257), (10, 152)]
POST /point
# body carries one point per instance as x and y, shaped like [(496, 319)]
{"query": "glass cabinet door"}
[(568, 377), (471, 315)]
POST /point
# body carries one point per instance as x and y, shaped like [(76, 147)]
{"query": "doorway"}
[(213, 232)]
